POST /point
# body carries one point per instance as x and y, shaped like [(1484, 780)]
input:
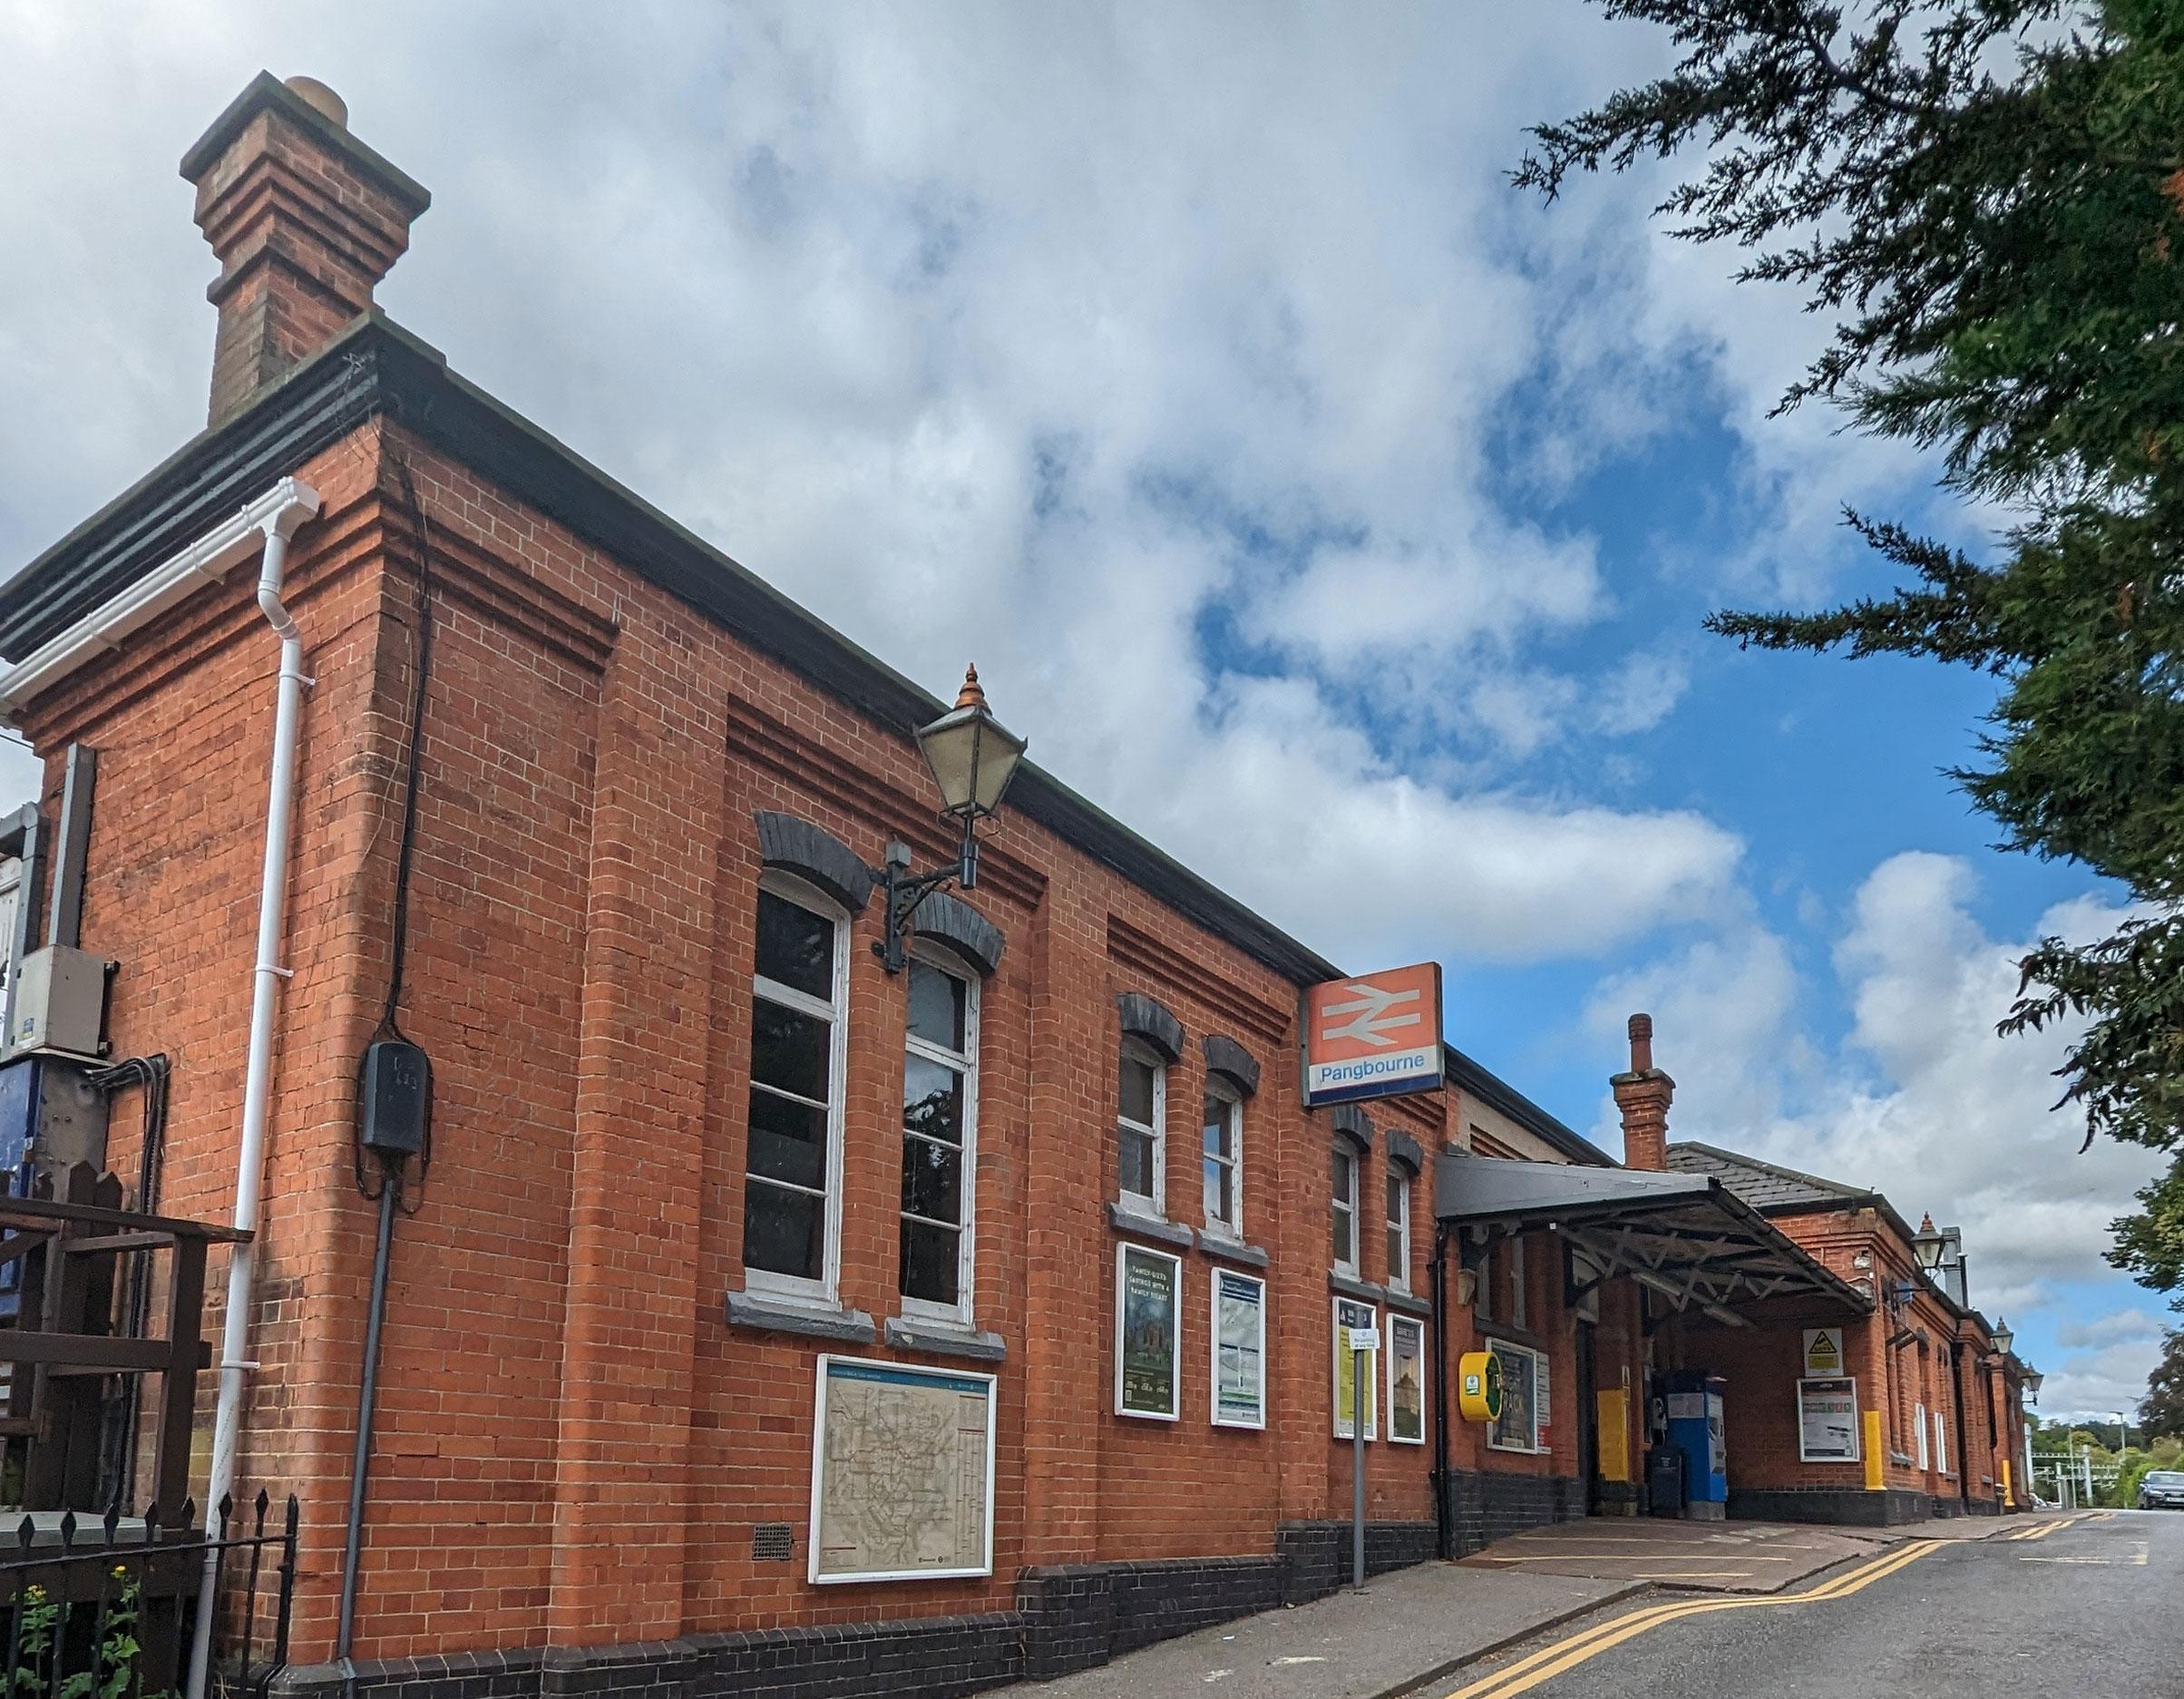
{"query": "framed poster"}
[(1148, 1333), (1516, 1429), (1239, 1350), (1406, 1379), (1349, 1313), (901, 1472), (1828, 1421)]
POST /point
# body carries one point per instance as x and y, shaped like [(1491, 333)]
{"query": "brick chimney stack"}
[(305, 221), (1644, 1095)]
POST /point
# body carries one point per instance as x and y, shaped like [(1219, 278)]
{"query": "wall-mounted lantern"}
[(972, 757)]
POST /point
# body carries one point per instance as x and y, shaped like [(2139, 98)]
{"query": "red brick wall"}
[(573, 1443)]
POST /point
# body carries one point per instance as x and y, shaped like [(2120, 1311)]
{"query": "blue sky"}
[(1338, 517)]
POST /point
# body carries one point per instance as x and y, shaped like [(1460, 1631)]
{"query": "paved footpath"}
[(1414, 1628), (1408, 1627)]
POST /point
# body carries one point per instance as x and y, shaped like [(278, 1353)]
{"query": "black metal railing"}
[(103, 1607)]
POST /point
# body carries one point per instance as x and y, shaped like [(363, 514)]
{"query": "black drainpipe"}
[(1443, 1545)]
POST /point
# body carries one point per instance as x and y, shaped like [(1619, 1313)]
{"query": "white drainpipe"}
[(261, 529), (257, 1080)]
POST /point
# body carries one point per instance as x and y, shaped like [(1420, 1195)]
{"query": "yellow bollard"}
[(2009, 1499), (1875, 1478)]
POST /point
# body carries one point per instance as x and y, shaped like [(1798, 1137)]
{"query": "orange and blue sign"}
[(1378, 1035)]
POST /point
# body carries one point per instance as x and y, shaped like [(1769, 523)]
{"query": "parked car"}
[(2162, 1489)]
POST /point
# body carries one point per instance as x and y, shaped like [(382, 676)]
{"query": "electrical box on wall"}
[(60, 1002), (397, 1093)]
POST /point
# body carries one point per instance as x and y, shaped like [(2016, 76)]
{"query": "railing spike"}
[(68, 1529), (25, 1532), (113, 1521)]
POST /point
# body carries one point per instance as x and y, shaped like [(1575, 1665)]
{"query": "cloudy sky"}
[(1195, 368)]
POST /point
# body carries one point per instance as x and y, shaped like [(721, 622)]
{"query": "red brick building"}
[(692, 1142)]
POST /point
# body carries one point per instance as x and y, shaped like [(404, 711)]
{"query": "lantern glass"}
[(1927, 1247), (2004, 1338), (972, 757)]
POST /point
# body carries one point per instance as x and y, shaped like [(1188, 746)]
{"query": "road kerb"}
[(1547, 1625)]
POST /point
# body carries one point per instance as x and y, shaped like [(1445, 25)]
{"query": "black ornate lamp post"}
[(972, 757)]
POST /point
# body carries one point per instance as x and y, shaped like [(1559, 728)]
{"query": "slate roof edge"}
[(1491, 1089)]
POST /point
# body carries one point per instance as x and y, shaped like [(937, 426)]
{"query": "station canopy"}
[(1685, 1236)]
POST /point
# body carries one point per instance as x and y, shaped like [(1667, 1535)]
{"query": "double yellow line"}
[(1549, 1662), (2040, 1530)]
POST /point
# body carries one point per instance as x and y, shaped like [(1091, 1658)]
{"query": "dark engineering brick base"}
[(1484, 1506), (1067, 1619), (1851, 1506)]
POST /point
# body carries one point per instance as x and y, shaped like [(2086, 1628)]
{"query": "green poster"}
[(1147, 1347)]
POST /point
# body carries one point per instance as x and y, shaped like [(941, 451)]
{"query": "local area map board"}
[(901, 1473)]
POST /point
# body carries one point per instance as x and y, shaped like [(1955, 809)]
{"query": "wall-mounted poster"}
[(1349, 1313), (901, 1473), (1149, 1332), (1406, 1379), (1828, 1421), (1239, 1350)]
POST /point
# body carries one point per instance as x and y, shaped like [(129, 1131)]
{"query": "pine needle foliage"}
[(1987, 199)]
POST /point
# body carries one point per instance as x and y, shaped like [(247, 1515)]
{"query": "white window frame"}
[(825, 1289), (967, 1065), (1399, 1266), (1534, 1355), (1516, 1283), (1918, 1424), (1344, 1152), (1940, 1444), (1139, 1050), (1231, 1101)]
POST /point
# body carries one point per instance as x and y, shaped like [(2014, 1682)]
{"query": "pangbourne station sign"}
[(1375, 1035)]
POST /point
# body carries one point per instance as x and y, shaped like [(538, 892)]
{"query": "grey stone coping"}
[(814, 856), (1232, 1061), (779, 1315), (1409, 1303), (940, 1340), (1143, 1226), (1146, 1019), (1405, 1149), (950, 921), (1350, 1121), (1227, 1250)]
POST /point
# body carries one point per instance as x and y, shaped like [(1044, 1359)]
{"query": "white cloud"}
[(2114, 1328), (2100, 1383), (1921, 1099), (1034, 337)]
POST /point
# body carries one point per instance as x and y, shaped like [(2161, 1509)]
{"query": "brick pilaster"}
[(622, 1497)]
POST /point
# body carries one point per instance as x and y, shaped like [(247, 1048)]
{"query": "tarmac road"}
[(2093, 1609)]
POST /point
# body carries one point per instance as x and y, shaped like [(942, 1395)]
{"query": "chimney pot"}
[(1642, 1096), (320, 97)]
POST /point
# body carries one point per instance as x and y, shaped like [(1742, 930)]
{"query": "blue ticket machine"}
[(1694, 1427)]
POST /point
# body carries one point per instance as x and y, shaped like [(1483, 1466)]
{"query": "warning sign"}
[(1823, 1350)]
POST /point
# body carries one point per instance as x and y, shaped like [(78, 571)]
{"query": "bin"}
[(1664, 1480)]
